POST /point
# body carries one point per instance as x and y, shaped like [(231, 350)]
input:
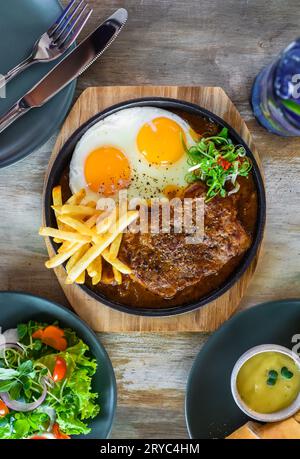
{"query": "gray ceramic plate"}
[(20, 307), (21, 24), (210, 409)]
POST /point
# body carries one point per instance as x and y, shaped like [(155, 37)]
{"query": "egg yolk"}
[(107, 170), (160, 141)]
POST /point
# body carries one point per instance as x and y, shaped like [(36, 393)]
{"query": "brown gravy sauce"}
[(131, 293)]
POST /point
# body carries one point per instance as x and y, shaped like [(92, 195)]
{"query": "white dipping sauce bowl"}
[(269, 417)]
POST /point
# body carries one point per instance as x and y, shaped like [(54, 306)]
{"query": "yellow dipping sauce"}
[(259, 387)]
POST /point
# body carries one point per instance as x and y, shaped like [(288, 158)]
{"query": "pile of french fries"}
[(87, 236)]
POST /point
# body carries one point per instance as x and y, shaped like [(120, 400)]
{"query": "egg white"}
[(120, 131)]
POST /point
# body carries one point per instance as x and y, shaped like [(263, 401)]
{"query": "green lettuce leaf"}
[(72, 398), (22, 425)]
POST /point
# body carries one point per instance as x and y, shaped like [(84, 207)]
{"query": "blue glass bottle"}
[(276, 93)]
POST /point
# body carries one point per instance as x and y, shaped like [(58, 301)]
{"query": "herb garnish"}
[(273, 375), (286, 373), (216, 161), (24, 380)]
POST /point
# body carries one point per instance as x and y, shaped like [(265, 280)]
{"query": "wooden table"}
[(201, 42)]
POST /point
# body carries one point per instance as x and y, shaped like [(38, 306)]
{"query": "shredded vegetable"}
[(218, 162)]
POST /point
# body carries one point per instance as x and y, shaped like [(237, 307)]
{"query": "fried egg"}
[(140, 149)]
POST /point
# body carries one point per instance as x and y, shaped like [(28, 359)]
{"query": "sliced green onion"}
[(215, 161), (286, 373)]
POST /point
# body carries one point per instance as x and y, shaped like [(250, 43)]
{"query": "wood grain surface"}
[(99, 316), (191, 42)]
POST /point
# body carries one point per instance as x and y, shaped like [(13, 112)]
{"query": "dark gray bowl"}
[(210, 409), (64, 157), (17, 307), (21, 24)]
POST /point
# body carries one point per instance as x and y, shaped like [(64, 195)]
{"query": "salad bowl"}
[(21, 310)]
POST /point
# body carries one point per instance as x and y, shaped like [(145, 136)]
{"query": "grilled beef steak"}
[(165, 264)]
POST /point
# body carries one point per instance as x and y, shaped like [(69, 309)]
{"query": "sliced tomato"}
[(52, 336), (3, 409), (43, 436), (60, 369), (58, 433)]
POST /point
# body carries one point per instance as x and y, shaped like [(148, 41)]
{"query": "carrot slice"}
[(38, 334), (54, 331), (52, 336), (58, 433), (57, 344)]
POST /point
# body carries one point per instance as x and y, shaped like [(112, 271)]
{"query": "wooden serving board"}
[(101, 317)]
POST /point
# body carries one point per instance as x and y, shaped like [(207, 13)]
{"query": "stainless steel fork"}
[(58, 38)]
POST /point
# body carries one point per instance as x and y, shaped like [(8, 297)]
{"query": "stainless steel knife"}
[(69, 68)]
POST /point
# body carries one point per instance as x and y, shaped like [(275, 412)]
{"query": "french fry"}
[(118, 264), (96, 279), (97, 266), (105, 221), (57, 209), (91, 221), (65, 235), (91, 204), (125, 220), (66, 245), (81, 279), (57, 201), (117, 275), (101, 245), (57, 196), (115, 246), (82, 228), (92, 272), (62, 257), (62, 227), (95, 237), (80, 210), (74, 258), (86, 234), (76, 198)]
